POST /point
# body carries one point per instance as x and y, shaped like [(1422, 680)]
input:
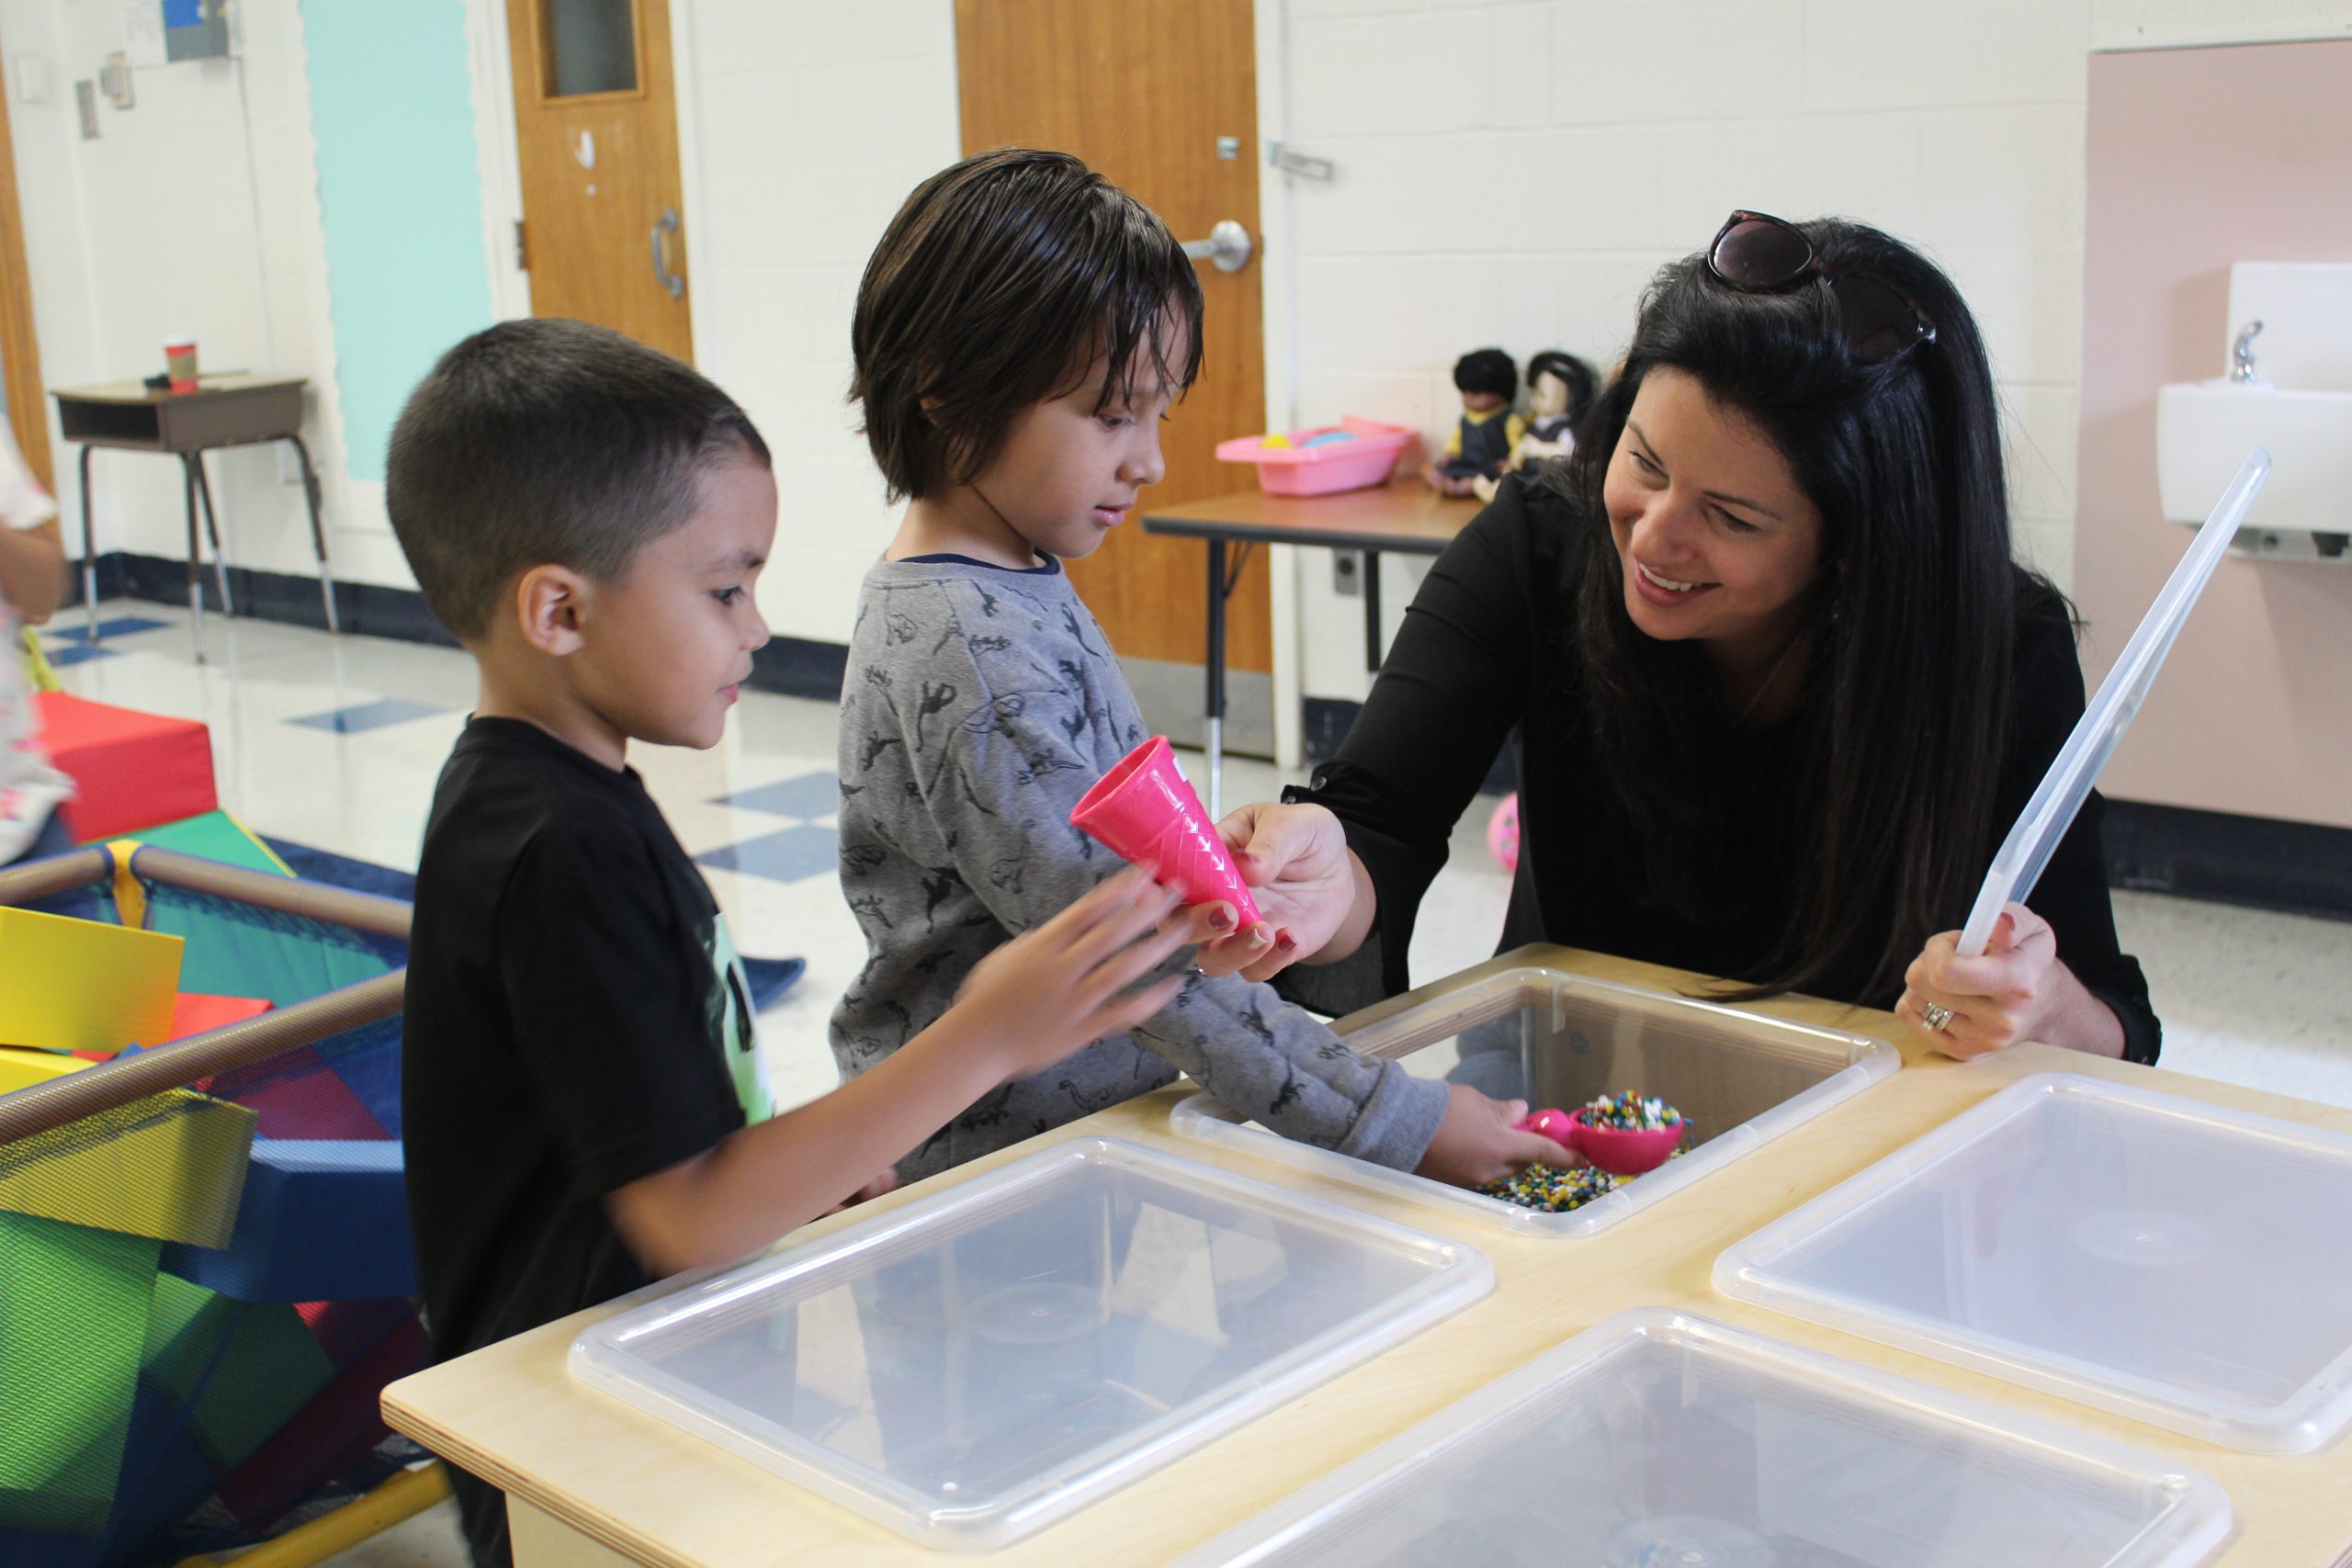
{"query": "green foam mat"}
[(215, 835), (73, 1310), (241, 950), (241, 1369)]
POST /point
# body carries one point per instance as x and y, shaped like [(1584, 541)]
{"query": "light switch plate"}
[(86, 99)]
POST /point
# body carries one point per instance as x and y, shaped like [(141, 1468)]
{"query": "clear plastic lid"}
[(2018, 864), (1658, 1440), (1554, 1039), (970, 1368), (2168, 1261)]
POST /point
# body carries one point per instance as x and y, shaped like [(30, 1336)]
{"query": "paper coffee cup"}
[(179, 363)]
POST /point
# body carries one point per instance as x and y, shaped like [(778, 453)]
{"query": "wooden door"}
[(19, 349), (597, 127), (1143, 90)]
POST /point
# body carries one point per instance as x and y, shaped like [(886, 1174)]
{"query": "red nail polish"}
[(1220, 920), (1286, 942)]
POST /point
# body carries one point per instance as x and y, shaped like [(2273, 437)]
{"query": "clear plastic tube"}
[(2018, 863)]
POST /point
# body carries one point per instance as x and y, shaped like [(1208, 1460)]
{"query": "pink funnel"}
[(1146, 814)]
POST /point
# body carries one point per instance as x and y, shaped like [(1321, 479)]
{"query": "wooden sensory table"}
[(592, 1481)]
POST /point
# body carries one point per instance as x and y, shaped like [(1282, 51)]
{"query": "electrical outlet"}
[(86, 99), (1347, 573), (114, 81)]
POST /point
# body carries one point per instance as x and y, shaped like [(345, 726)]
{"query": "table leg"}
[(540, 1539), (1214, 664), (195, 570), (318, 530), (212, 529), (1371, 611), (89, 554)]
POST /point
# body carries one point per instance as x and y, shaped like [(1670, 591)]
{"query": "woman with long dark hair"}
[(1776, 685)]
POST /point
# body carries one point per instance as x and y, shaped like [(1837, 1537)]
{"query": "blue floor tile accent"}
[(810, 795), (78, 632), (793, 855), (368, 715), (80, 653)]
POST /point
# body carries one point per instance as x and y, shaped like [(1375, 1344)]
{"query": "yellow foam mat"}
[(171, 1167), (69, 985), (21, 1068)]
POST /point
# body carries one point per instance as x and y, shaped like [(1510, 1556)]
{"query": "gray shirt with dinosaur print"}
[(978, 706)]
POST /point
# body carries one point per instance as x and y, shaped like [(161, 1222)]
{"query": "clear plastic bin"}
[(1554, 1039), (2164, 1259), (973, 1367), (1663, 1440)]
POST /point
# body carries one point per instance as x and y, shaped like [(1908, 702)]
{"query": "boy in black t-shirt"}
[(581, 1095)]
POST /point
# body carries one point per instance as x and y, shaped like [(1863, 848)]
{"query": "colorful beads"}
[(1554, 1189), (1630, 1112)]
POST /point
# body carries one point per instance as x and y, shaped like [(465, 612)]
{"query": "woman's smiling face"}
[(1718, 542)]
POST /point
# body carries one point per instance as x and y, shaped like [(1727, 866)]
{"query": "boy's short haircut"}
[(1487, 371), (1000, 284), (543, 443)]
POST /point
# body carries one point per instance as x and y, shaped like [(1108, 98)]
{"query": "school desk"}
[(593, 1481), (1403, 517), (236, 410)]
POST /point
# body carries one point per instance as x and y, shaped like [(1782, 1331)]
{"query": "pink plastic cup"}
[(1626, 1151), (1146, 814)]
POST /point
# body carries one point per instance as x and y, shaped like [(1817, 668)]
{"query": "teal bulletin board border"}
[(400, 194)]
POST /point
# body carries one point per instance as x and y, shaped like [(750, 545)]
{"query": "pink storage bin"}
[(1301, 470)]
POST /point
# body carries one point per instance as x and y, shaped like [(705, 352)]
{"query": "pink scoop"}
[(1621, 1151), (1145, 812)]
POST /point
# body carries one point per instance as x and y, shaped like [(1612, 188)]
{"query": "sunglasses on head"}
[(1757, 253)]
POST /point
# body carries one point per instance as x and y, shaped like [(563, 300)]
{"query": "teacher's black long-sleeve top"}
[(1483, 653)]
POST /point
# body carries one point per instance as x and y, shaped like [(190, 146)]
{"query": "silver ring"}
[(1937, 1014)]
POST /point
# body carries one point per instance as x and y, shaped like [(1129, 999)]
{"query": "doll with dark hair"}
[(1559, 384), (1482, 442)]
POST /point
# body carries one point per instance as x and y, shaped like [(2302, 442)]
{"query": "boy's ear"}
[(551, 601)]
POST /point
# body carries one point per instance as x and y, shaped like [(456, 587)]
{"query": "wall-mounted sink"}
[(2289, 327), (2203, 431)]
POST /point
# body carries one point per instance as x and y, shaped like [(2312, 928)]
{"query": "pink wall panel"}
[(2199, 158)]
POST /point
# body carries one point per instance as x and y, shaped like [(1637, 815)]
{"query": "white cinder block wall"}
[(1508, 172), (194, 212), (1513, 174), (808, 124)]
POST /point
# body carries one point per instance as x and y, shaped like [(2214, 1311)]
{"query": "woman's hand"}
[(1307, 887), (2017, 991)]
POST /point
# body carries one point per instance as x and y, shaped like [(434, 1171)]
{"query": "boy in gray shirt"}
[(1019, 335)]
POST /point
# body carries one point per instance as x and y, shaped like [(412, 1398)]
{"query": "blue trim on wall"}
[(400, 196), (793, 666)]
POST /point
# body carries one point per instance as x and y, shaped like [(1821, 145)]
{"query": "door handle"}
[(663, 227), (1228, 246)]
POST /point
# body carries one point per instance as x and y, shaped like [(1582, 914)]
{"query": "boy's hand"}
[(1476, 1143), (1064, 985)]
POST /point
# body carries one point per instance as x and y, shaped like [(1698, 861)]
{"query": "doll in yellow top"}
[(1488, 380)]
